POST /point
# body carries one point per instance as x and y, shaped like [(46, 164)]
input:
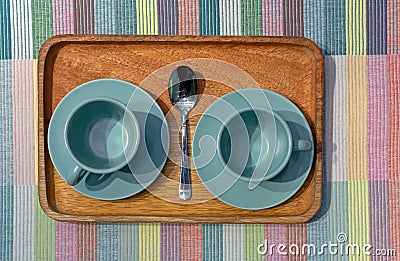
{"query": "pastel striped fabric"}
[(361, 191)]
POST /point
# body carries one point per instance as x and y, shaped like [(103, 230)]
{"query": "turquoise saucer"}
[(232, 190), (153, 148)]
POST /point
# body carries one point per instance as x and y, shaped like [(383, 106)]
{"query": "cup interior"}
[(246, 138), (101, 136)]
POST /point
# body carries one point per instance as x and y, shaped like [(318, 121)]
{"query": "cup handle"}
[(74, 175), (299, 145)]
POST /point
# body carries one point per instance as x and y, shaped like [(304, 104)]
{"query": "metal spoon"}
[(182, 88)]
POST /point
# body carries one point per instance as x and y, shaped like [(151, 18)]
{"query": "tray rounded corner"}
[(48, 209), (310, 44), (50, 42)]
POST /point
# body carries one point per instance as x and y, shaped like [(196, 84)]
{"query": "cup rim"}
[(276, 116), (128, 157)]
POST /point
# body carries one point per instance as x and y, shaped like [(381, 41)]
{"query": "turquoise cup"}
[(101, 136), (245, 139)]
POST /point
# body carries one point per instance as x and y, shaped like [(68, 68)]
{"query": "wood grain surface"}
[(291, 66)]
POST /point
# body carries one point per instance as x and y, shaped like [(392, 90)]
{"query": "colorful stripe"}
[(359, 215), (232, 241), (63, 17), (168, 17), (212, 242), (393, 26), (170, 242), (379, 211), (149, 242), (230, 17), (394, 210), (189, 17), (5, 30), (35, 122), (66, 241), (314, 16), (84, 16), (376, 26), (42, 23), (272, 17), (297, 235), (357, 102), (356, 32), (253, 236), (23, 232), (394, 117), (24, 222), (357, 163), (333, 214), (111, 17), (105, 17), (293, 18), (128, 242), (377, 122), (7, 222), (23, 142), (338, 219), (318, 228), (252, 17), (335, 144), (276, 235), (6, 127), (335, 28), (191, 239), (107, 241), (87, 246), (394, 149), (146, 15), (126, 17), (6, 157), (21, 33), (209, 17), (45, 234)]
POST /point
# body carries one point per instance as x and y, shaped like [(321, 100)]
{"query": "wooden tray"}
[(291, 66)]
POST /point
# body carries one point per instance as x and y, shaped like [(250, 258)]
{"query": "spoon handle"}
[(185, 190)]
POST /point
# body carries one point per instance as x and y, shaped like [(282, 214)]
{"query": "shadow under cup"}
[(102, 136), (246, 140)]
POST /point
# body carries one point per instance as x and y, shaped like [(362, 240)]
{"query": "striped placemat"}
[(361, 191)]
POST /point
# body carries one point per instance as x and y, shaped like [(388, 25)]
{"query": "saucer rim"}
[(124, 96), (239, 183)]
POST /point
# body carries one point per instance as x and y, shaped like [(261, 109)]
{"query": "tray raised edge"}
[(42, 181)]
